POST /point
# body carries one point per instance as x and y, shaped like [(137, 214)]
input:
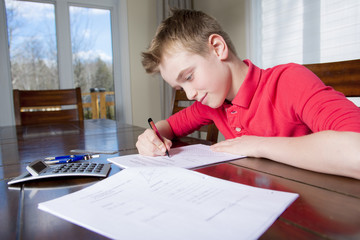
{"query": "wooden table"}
[(328, 206)]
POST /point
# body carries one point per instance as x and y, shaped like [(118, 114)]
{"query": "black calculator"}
[(39, 169)]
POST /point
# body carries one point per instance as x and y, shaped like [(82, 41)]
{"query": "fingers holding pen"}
[(159, 146), (146, 145), (150, 144)]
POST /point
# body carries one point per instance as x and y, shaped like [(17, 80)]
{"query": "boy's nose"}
[(190, 93)]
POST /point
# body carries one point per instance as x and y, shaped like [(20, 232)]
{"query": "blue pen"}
[(68, 158), (74, 157), (57, 161)]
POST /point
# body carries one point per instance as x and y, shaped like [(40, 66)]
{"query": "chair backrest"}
[(180, 98), (47, 106), (342, 76)]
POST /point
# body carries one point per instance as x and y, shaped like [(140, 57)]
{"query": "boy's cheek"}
[(202, 85)]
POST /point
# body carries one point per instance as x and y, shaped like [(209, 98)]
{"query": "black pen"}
[(153, 127)]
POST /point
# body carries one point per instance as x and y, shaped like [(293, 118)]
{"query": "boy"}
[(284, 113)]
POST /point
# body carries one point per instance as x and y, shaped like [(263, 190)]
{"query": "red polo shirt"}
[(286, 100)]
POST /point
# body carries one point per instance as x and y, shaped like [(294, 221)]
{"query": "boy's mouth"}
[(202, 99)]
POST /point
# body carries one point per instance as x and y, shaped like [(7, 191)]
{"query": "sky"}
[(89, 27)]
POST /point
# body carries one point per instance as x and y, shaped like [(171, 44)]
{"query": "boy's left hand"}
[(245, 146)]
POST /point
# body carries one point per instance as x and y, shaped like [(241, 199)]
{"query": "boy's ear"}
[(219, 46)]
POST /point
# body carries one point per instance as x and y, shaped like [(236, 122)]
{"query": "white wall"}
[(145, 89), (231, 16)]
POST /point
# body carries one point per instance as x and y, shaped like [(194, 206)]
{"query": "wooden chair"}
[(342, 76), (47, 106), (211, 130)]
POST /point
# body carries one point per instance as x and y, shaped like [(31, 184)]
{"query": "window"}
[(92, 58), (305, 31), (32, 45), (48, 24)]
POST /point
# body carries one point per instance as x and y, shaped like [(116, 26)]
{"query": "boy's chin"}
[(214, 105)]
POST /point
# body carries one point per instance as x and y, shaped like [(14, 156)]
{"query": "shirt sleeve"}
[(320, 107), (190, 119)]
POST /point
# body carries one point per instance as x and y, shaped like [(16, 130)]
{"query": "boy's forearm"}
[(328, 152), (165, 130)]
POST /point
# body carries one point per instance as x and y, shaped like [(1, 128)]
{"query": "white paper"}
[(171, 203), (189, 157)]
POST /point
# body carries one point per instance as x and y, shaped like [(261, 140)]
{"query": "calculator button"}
[(77, 169)]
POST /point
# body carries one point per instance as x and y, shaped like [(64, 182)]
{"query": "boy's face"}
[(204, 79)]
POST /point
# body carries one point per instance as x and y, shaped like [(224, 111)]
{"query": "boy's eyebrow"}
[(180, 76)]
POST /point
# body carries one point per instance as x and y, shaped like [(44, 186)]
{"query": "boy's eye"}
[(188, 77)]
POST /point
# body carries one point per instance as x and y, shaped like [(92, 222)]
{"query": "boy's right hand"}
[(149, 144)]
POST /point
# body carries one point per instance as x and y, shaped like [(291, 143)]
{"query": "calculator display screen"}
[(39, 166)]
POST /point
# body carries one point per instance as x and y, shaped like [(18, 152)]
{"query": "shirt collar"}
[(248, 87)]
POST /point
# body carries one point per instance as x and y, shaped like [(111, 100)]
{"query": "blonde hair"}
[(188, 29)]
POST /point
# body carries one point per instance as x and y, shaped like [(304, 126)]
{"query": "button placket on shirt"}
[(233, 116)]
